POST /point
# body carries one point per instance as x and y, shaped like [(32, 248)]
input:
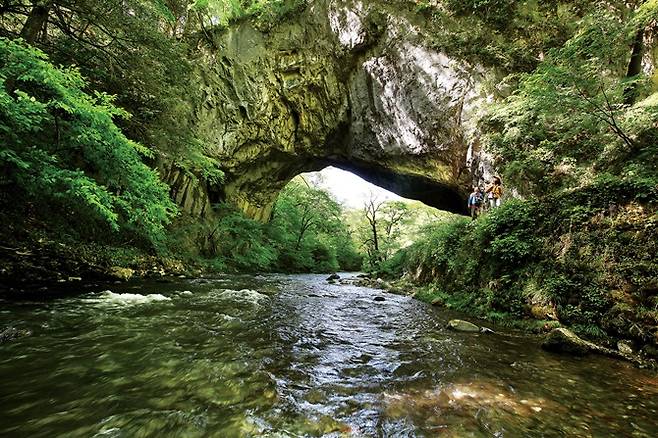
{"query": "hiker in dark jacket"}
[(475, 202)]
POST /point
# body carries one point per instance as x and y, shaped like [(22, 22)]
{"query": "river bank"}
[(557, 336), (47, 264)]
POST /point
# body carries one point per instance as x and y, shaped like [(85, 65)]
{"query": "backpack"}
[(477, 199)]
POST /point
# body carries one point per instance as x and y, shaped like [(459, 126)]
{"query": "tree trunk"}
[(634, 67), (299, 240), (36, 20), (375, 239)]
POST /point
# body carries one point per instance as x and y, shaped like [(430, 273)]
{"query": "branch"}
[(607, 118), (616, 127), (205, 32)]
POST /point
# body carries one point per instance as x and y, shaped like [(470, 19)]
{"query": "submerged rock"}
[(11, 333), (333, 277), (561, 340), (380, 299), (463, 326)]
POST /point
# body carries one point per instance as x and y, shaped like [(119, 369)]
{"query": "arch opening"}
[(254, 189)]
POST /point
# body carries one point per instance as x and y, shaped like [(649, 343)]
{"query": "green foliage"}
[(380, 230), (307, 234), (61, 146), (264, 13), (567, 252), (569, 117), (495, 12), (509, 35), (308, 227), (270, 11), (241, 243), (195, 163)]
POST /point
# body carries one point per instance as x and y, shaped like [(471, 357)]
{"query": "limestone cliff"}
[(353, 84)]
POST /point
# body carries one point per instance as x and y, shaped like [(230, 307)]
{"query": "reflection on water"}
[(283, 356)]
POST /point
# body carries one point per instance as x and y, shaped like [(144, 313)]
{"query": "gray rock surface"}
[(353, 84)]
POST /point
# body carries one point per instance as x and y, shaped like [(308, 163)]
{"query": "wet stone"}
[(463, 326)]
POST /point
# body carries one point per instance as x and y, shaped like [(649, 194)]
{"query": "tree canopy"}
[(60, 145)]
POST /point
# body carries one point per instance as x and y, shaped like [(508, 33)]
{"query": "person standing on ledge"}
[(494, 192), (475, 202)]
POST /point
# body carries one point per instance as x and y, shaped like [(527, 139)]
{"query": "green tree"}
[(125, 49), (307, 209), (61, 146), (382, 229), (574, 113), (310, 232), (240, 243)]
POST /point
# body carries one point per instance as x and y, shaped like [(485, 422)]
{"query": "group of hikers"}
[(493, 192)]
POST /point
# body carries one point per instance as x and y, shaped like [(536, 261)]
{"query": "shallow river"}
[(289, 356)]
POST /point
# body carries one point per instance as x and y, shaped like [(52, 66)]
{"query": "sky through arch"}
[(350, 190)]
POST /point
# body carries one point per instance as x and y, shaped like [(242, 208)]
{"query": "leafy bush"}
[(61, 146), (240, 242)]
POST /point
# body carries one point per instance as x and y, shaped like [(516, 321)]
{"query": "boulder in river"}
[(463, 326), (438, 301), (561, 340), (380, 298), (333, 277)]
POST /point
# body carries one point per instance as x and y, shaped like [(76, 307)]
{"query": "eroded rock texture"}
[(351, 84)]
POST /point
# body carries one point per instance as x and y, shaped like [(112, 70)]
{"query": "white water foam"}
[(243, 295), (109, 297)]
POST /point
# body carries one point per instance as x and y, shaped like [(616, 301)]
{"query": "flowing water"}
[(289, 356)]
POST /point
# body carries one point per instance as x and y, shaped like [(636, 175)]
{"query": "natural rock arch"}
[(351, 84)]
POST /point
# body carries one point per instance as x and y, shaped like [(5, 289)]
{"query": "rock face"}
[(351, 84), (187, 190)]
